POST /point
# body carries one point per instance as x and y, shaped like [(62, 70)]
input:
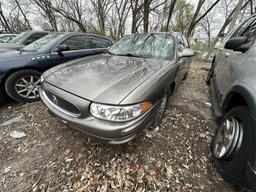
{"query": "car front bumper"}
[(112, 132)]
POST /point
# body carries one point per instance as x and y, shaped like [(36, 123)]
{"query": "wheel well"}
[(11, 72), (172, 88), (234, 100)]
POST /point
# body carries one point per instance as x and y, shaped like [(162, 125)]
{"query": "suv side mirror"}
[(186, 53), (61, 48), (237, 44)]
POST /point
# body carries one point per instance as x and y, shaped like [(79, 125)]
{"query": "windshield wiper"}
[(107, 51), (129, 55)]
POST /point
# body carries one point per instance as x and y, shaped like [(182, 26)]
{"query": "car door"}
[(188, 59), (78, 46), (182, 62), (226, 61)]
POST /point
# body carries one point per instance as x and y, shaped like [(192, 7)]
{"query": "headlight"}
[(119, 113)]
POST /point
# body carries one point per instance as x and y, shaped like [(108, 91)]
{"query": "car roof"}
[(2, 34), (81, 33)]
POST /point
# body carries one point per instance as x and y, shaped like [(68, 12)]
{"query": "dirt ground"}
[(52, 157)]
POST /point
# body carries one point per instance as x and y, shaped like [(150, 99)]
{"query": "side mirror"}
[(186, 53), (61, 48), (237, 44)]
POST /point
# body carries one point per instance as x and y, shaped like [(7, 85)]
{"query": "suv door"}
[(227, 60)]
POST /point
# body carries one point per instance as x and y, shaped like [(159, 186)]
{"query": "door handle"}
[(227, 54)]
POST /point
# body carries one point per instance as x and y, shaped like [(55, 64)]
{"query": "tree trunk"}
[(171, 8), (135, 11), (192, 23), (146, 15), (4, 21), (236, 14), (23, 14), (228, 20)]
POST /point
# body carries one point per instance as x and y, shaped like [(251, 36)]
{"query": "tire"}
[(17, 82), (185, 76), (160, 110), (210, 74), (232, 165)]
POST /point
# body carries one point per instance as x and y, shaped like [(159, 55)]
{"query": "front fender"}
[(248, 95)]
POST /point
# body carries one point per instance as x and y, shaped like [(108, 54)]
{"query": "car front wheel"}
[(229, 146), (23, 85), (160, 111)]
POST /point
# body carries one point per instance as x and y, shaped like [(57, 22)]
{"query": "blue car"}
[(20, 71)]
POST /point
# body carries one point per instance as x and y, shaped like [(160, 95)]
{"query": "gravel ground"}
[(52, 157)]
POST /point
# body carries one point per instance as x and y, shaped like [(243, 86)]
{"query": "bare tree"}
[(183, 13), (72, 10), (224, 26), (23, 13), (196, 19), (16, 20), (118, 17), (208, 25), (102, 8), (3, 20), (236, 14), (148, 7), (45, 8), (170, 12), (137, 7)]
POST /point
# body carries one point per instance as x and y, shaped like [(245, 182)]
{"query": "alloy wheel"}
[(227, 138), (27, 87)]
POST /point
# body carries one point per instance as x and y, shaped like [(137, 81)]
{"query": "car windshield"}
[(157, 46), (19, 37), (41, 43)]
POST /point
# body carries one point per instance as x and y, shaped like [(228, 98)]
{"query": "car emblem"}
[(54, 100)]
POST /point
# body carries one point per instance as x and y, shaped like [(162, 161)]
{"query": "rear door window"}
[(100, 42), (86, 42), (78, 42)]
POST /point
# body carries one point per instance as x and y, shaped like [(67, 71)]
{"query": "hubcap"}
[(27, 87), (227, 138)]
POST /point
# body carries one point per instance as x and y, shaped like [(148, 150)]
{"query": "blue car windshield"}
[(156, 46), (42, 43), (19, 37)]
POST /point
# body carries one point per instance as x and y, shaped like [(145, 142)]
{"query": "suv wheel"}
[(23, 85), (229, 145)]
